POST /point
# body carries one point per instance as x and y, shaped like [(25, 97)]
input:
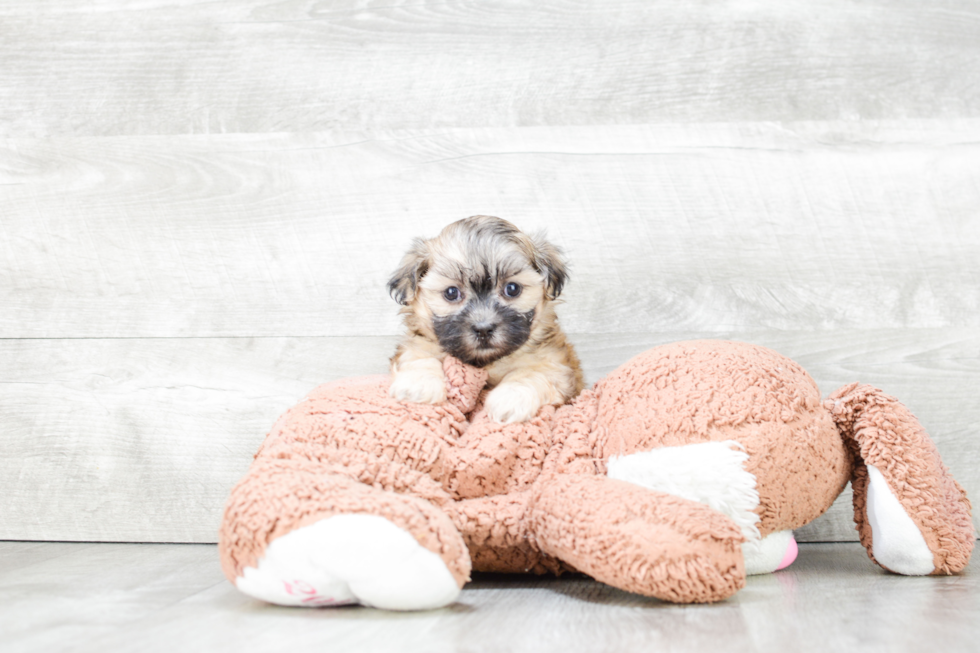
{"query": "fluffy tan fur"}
[(529, 360)]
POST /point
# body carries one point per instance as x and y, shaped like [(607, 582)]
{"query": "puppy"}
[(484, 292)]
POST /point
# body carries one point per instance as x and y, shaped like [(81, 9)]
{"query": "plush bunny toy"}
[(674, 477)]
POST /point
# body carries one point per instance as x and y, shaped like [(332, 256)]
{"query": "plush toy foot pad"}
[(347, 559), (774, 552)]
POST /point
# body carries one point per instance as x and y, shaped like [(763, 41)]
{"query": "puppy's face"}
[(477, 287)]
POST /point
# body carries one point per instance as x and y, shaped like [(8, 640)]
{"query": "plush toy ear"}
[(404, 283), (912, 516), (547, 259)]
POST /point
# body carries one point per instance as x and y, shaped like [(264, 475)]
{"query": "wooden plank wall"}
[(200, 203)]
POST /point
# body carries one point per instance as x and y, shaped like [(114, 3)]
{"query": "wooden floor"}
[(170, 597)]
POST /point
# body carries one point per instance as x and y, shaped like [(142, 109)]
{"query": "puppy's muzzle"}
[(484, 333)]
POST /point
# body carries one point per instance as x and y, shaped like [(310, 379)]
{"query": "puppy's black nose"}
[(484, 330)]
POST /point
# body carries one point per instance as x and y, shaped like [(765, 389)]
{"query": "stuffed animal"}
[(681, 472)]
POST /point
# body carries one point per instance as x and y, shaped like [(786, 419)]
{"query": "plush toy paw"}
[(421, 386), (774, 552), (711, 473), (509, 403), (349, 559)]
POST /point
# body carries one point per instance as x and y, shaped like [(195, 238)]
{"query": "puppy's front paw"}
[(419, 386), (512, 402)]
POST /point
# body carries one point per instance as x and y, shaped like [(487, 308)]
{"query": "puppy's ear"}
[(404, 282), (548, 260)]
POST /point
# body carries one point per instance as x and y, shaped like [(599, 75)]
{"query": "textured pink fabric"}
[(884, 433), (711, 390), (534, 496)]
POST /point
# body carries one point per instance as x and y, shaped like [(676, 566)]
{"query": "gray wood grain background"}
[(200, 203), (160, 598)]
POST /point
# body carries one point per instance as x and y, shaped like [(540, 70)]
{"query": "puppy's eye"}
[(451, 294), (512, 289)]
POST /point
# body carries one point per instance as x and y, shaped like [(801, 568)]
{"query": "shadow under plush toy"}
[(674, 477)]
